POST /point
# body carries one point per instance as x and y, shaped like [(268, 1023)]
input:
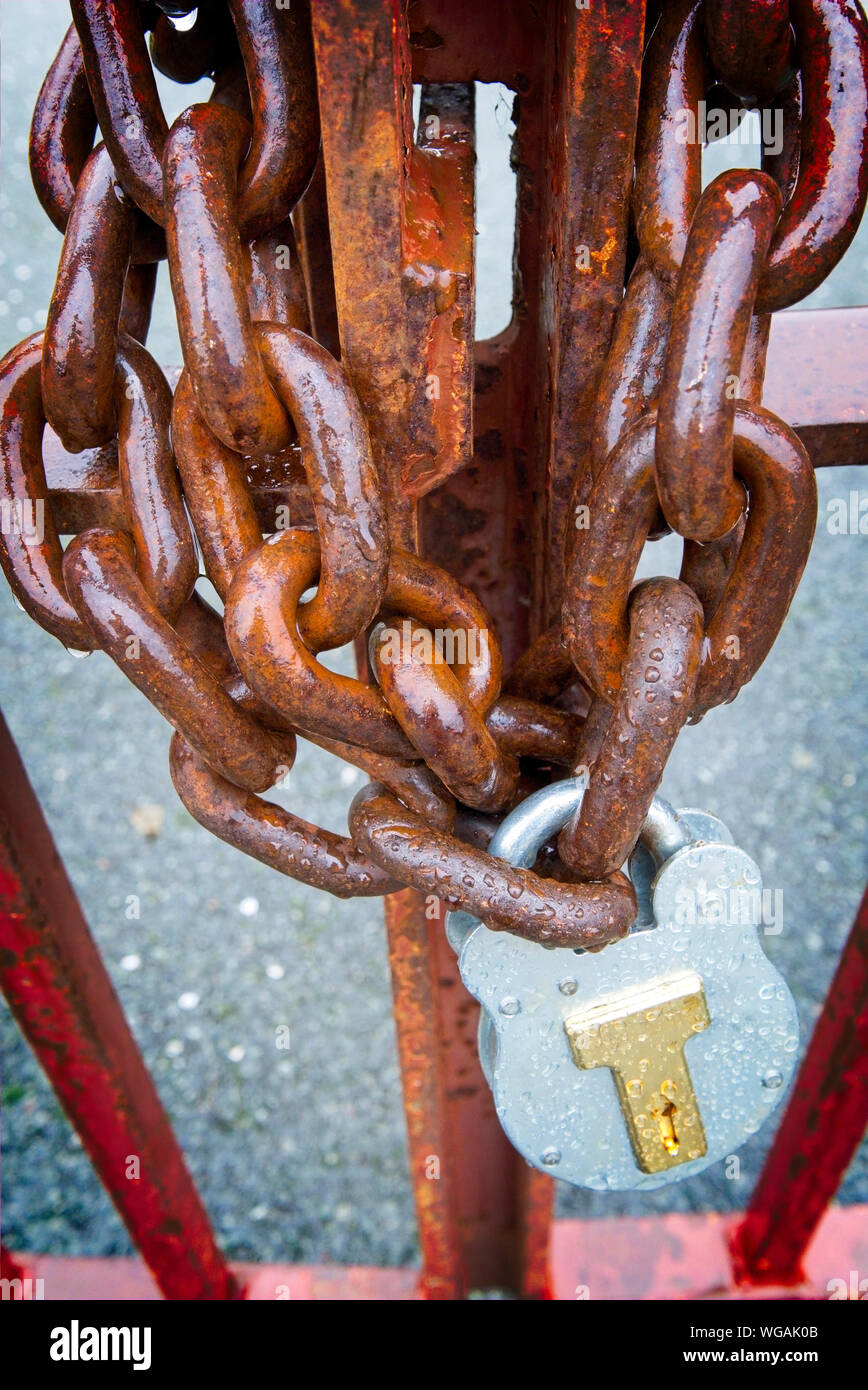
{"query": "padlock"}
[(645, 1062)]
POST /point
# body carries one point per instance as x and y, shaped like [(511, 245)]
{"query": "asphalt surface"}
[(300, 1154)]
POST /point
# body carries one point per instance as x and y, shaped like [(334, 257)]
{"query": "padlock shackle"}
[(522, 834), (663, 831)]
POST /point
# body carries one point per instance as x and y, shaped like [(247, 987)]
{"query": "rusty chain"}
[(680, 441)]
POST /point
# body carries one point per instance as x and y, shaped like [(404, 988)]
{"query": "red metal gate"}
[(521, 406)]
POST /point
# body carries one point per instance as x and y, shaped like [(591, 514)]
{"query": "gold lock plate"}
[(640, 1035)]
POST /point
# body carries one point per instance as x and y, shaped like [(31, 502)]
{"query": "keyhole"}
[(665, 1115)]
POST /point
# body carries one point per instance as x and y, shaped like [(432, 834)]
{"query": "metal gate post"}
[(820, 1132), (57, 987), (472, 441)]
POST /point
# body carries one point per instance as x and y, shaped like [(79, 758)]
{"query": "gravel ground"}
[(301, 1155)]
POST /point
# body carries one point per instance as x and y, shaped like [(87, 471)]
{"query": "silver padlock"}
[(645, 1062)]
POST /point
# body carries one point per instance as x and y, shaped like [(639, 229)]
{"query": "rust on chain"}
[(668, 167), (528, 729), (216, 490), (263, 635), (439, 719), (249, 823), (206, 265), (820, 217), (81, 333), (412, 782), (344, 486), (262, 631), (165, 554), (781, 514), (823, 213), (630, 381), (708, 567), (149, 484), (750, 45), (62, 131), (61, 142), (717, 285), (138, 302), (416, 785), (631, 376), (710, 564), (622, 507), (276, 48), (277, 51), (271, 834), (753, 364), (587, 915), (200, 51), (545, 669), (200, 627), (125, 95), (276, 289), (657, 686), (99, 570), (783, 163), (33, 564)]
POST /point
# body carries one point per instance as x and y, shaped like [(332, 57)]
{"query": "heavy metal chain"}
[(680, 441)]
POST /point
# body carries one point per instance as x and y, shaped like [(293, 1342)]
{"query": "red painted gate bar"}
[(58, 988), (820, 1132)]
